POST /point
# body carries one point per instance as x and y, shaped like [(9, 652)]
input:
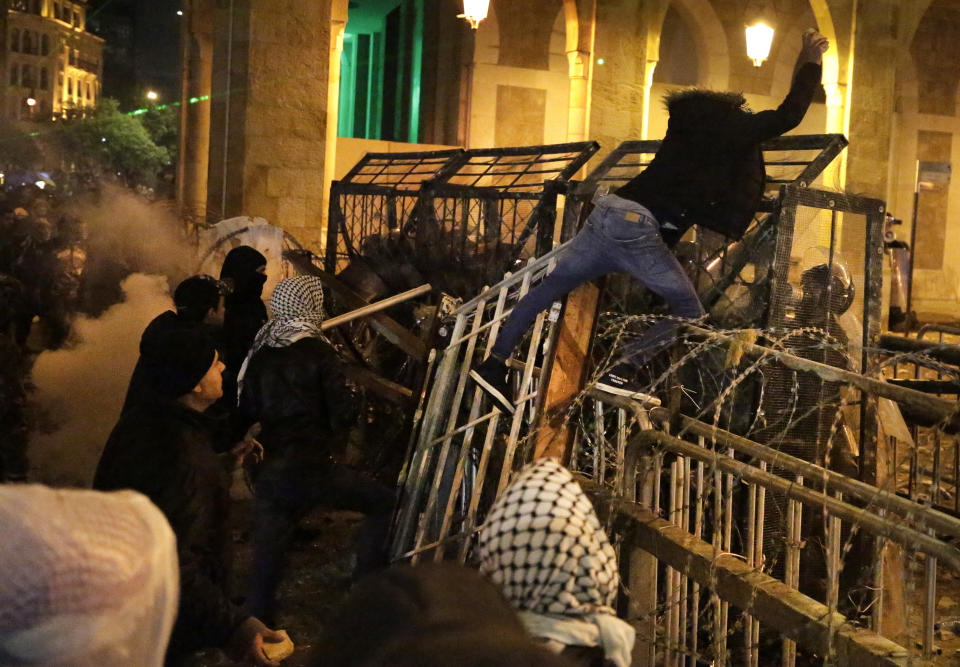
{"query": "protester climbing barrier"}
[(756, 511), (456, 219), (686, 503)]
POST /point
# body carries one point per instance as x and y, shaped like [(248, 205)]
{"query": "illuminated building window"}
[(69, 87), (14, 40)]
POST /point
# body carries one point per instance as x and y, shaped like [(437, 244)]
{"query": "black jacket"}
[(241, 322), (709, 169), (163, 450), (299, 395)]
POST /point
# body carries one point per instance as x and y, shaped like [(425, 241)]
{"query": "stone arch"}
[(557, 60), (572, 19), (831, 59), (487, 39), (713, 55), (911, 16), (540, 91)]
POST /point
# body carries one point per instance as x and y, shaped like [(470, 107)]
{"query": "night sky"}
[(142, 49)]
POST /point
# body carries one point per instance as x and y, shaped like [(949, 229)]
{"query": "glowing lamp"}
[(31, 102), (474, 11), (759, 39), (152, 95)]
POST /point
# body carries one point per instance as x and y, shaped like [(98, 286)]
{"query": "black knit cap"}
[(196, 295), (178, 360)]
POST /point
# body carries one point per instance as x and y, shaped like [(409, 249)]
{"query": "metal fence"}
[(457, 219), (767, 451), (699, 597), (926, 464)]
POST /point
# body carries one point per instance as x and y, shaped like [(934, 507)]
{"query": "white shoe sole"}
[(494, 393), (628, 393)]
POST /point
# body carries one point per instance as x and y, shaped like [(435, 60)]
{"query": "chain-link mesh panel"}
[(457, 219)]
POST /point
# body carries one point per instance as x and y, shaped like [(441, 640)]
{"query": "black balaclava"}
[(240, 268)]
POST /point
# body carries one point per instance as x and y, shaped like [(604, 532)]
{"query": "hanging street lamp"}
[(474, 11), (759, 39)]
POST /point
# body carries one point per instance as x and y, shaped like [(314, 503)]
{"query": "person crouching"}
[(163, 449)]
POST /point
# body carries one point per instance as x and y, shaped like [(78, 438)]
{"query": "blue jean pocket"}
[(617, 226)]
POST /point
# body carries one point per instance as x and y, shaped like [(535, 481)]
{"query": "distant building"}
[(54, 66)]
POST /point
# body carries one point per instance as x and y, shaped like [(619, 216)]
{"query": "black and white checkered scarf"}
[(543, 544), (296, 308)]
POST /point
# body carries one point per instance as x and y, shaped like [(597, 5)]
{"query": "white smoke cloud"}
[(145, 236), (80, 389)]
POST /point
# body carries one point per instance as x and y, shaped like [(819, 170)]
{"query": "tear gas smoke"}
[(128, 234), (80, 390)]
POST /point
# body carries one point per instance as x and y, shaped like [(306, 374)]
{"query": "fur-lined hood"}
[(698, 105)]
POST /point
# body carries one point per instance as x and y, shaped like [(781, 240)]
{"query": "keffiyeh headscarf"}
[(544, 546), (87, 579), (296, 306)]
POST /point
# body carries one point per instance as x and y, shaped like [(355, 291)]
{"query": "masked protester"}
[(293, 383), (245, 270), (87, 579), (543, 545), (164, 449)]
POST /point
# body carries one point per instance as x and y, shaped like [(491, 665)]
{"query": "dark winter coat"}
[(164, 451), (429, 615), (299, 395), (244, 312), (709, 169)]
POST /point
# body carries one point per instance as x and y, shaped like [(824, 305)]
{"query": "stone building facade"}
[(50, 59), (546, 71)]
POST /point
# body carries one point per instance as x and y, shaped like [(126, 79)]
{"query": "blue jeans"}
[(619, 235)]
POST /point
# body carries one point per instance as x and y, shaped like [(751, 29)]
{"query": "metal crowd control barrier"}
[(743, 538), (686, 510), (457, 219)]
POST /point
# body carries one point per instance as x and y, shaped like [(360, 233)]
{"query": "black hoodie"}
[(244, 312), (709, 169)]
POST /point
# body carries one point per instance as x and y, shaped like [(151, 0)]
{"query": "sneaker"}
[(491, 376), (618, 381)]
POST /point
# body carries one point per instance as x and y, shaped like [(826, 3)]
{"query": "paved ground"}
[(317, 580)]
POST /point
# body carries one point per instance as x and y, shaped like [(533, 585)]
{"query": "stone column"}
[(579, 95), (272, 120), (872, 97), (338, 23), (196, 81), (627, 38)]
